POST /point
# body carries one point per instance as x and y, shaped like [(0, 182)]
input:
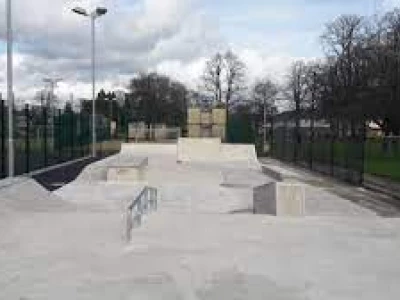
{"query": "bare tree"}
[(297, 93), (235, 71), (235, 77), (296, 89), (264, 94), (212, 77), (386, 106), (342, 41)]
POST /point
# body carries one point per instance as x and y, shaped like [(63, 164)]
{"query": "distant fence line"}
[(45, 137), (336, 147)]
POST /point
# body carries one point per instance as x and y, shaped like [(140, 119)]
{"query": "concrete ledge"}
[(279, 174), (131, 169), (122, 174), (279, 199)]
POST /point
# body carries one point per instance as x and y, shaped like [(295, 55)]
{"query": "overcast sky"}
[(171, 36)]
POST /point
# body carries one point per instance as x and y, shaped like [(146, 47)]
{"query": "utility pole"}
[(10, 93)]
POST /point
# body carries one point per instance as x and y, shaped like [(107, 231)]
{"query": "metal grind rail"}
[(145, 203)]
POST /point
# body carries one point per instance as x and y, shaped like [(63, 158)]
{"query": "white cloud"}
[(188, 73), (173, 37), (148, 34)]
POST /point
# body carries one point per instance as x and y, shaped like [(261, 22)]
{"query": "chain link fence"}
[(45, 137), (333, 147)]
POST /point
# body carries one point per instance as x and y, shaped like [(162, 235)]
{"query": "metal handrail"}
[(143, 204)]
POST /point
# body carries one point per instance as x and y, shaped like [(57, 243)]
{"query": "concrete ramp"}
[(96, 171), (212, 150), (25, 194), (240, 153), (199, 149)]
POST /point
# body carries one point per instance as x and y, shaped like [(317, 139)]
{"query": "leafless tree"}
[(296, 89), (224, 76), (235, 72), (265, 92), (212, 77), (342, 41)]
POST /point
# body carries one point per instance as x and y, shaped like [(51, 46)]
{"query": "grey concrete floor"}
[(381, 204), (196, 246)]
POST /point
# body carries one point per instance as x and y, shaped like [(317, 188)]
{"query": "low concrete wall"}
[(279, 174), (211, 149), (239, 152), (148, 148)]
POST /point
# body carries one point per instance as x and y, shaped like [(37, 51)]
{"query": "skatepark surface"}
[(202, 243)]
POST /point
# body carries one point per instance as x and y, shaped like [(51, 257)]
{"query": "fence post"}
[(126, 128), (27, 140), (284, 140), (60, 135), (81, 134), (363, 152), (332, 146), (312, 137), (45, 135), (3, 138), (347, 146), (100, 140), (72, 134), (272, 136)]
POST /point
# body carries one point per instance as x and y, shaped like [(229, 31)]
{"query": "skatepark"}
[(180, 221)]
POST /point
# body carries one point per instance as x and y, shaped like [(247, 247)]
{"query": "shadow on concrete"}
[(57, 178)]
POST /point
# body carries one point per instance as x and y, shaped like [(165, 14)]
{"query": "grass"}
[(379, 161)]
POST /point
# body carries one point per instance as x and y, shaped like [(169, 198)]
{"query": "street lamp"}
[(98, 12), (10, 94)]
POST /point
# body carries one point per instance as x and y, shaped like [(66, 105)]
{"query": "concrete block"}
[(194, 116), (218, 131), (279, 199), (206, 118), (219, 116), (194, 131)]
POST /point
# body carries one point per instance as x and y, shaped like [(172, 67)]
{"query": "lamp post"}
[(98, 12), (10, 94)]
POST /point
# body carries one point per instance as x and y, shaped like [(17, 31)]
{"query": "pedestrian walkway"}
[(379, 203)]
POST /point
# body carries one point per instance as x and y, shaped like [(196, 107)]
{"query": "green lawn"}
[(380, 162)]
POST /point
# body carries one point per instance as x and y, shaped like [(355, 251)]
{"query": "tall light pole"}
[(10, 94), (98, 12)]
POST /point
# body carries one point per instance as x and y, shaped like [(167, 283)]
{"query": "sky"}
[(173, 37)]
